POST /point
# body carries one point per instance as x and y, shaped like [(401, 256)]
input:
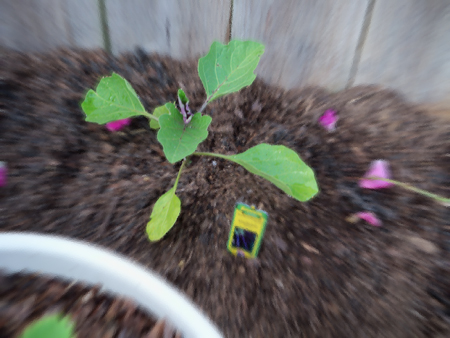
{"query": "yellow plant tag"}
[(247, 230)]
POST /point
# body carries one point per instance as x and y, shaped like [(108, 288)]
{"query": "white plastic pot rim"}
[(77, 260)]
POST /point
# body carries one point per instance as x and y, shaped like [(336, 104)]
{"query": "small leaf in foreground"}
[(164, 215), (50, 326), (114, 100), (180, 140), (281, 166), (158, 112), (228, 68)]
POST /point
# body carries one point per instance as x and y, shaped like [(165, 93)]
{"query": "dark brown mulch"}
[(317, 275), (25, 298)]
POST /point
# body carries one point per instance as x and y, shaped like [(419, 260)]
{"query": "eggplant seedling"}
[(224, 70)]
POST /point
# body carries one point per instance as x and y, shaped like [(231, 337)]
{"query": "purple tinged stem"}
[(187, 109)]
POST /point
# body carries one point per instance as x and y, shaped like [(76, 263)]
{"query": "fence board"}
[(38, 25), (307, 41), (177, 28), (408, 48), (83, 20)]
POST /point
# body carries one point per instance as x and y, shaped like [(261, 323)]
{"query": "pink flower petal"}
[(3, 174), (379, 168), (369, 217), (117, 125), (328, 120)]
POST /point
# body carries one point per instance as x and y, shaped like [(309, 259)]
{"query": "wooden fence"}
[(401, 44)]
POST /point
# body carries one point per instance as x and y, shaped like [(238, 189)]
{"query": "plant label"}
[(247, 230)]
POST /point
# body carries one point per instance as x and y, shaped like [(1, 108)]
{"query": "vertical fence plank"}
[(32, 25), (307, 41), (408, 48), (84, 23), (39, 25), (177, 28)]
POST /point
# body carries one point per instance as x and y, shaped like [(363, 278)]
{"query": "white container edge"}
[(84, 262)]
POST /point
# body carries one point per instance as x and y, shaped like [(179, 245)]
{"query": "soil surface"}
[(25, 298), (317, 275)]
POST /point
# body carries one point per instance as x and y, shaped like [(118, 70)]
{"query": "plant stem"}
[(225, 157), (202, 108), (212, 155), (150, 116), (179, 174), (208, 99), (443, 200)]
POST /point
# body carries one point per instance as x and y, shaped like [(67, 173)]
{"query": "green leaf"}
[(51, 326), (114, 100), (182, 96), (281, 166), (180, 140), (228, 68), (164, 215), (161, 110)]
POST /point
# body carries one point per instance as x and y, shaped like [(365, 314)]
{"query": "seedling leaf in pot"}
[(179, 139), (50, 326), (281, 166), (228, 68), (114, 100), (161, 110), (164, 215)]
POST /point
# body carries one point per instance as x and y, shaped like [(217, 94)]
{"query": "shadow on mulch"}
[(316, 274)]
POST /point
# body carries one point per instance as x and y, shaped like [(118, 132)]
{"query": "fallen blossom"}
[(369, 217), (3, 174), (328, 120), (117, 125), (378, 168)]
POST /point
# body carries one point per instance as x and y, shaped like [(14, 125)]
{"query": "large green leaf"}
[(180, 140), (50, 326), (281, 166), (161, 110), (164, 215), (114, 100), (228, 68)]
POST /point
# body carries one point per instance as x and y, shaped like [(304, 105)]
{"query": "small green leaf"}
[(228, 68), (164, 215), (180, 140), (114, 100), (161, 110), (182, 96), (51, 326), (281, 166)]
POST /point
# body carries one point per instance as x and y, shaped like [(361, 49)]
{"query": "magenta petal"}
[(379, 168), (369, 217), (117, 125), (3, 174), (328, 120)]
